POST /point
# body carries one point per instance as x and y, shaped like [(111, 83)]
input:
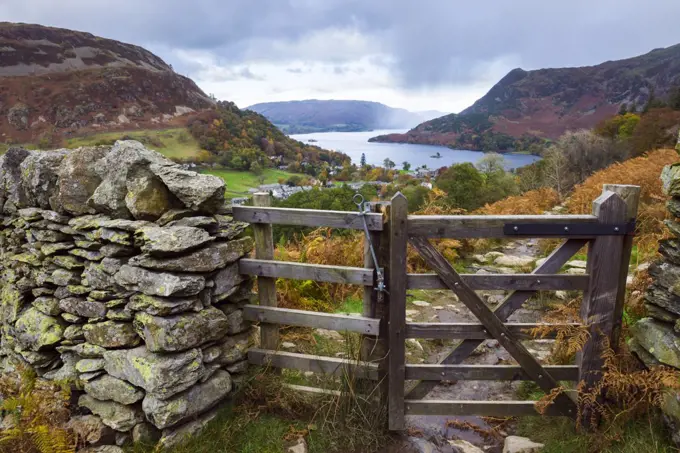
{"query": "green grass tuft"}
[(238, 182)]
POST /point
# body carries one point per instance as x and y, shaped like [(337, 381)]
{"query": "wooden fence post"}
[(598, 309), (397, 324), (631, 196), (266, 286), (376, 306)]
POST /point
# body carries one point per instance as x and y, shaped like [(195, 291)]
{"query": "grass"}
[(559, 435), (172, 143), (238, 182), (351, 305)]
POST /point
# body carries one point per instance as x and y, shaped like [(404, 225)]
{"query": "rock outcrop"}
[(119, 269)]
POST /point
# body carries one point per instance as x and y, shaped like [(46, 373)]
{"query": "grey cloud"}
[(424, 43)]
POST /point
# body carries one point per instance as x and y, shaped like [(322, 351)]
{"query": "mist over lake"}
[(355, 143)]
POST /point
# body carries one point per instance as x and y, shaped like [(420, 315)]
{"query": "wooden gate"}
[(607, 233)]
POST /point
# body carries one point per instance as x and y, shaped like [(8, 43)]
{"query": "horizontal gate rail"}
[(305, 271), (313, 363), (482, 226), (302, 318), (308, 217), (476, 331), (516, 282), (485, 372), (481, 408)]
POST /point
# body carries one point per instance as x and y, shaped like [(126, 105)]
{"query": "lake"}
[(355, 143)]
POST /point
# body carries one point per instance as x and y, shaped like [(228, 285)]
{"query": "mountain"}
[(56, 82), (300, 117), (526, 107)]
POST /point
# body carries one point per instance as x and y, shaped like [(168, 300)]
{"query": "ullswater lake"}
[(355, 143)]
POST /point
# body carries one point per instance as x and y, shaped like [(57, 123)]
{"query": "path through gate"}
[(607, 232)]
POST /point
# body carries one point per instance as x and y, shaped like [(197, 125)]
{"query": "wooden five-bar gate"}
[(607, 233)]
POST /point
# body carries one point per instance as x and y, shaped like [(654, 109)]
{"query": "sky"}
[(415, 54)]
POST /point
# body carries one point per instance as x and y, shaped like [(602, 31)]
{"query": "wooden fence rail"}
[(383, 325)]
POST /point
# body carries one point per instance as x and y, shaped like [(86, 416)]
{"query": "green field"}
[(173, 143), (238, 182)]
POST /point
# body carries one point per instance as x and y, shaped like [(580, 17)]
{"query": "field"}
[(173, 143), (238, 182)]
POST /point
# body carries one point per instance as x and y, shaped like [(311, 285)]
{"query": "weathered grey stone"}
[(233, 349), (125, 224), (670, 180), (665, 291), (124, 159), (82, 307), (87, 245), (30, 214), (12, 193), (117, 250), (145, 433), (159, 283), (147, 197), (163, 306), (70, 291), (162, 375), (114, 415), (203, 193), (226, 280), (38, 359), (645, 357), (236, 323), (52, 248), (47, 305), (97, 276), (85, 350), (174, 436), (109, 388), (516, 444), (67, 371), (170, 412), (670, 249), (88, 222), (68, 262), (49, 235), (205, 222), (120, 237), (211, 353), (36, 331), (90, 255), (39, 176), (659, 340), (12, 301), (53, 216), (32, 258), (169, 241), (39, 292), (111, 334), (181, 332), (102, 449), (661, 314), (78, 180), (238, 367), (174, 214), (90, 429), (74, 332), (120, 314), (207, 259), (87, 377), (89, 366), (228, 228)]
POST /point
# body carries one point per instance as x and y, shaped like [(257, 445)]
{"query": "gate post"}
[(376, 305), (599, 306), (266, 286), (397, 324)]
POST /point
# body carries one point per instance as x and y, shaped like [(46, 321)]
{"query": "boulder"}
[(226, 280), (162, 375), (109, 388), (207, 259), (36, 331), (516, 444), (147, 197), (12, 300), (47, 305), (169, 241), (125, 158), (198, 399), (514, 261), (145, 433), (78, 180), (175, 436), (234, 349), (39, 174), (113, 415), (163, 306), (83, 307), (463, 446), (199, 192), (97, 276), (670, 180), (91, 430), (159, 283), (111, 334), (659, 340), (181, 332)]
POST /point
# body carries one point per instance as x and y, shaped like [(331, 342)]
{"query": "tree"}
[(256, 168), (623, 109), (556, 170), (491, 163), (363, 159), (462, 182), (387, 163), (406, 166)]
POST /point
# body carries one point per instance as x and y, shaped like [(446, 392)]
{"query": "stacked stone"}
[(656, 338), (119, 270)]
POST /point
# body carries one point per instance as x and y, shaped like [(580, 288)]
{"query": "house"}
[(239, 201), (427, 185)]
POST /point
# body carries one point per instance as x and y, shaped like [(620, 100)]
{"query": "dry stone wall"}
[(119, 271), (656, 339)]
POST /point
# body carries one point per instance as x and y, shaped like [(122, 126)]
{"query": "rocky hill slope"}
[(299, 117), (545, 103), (56, 82)]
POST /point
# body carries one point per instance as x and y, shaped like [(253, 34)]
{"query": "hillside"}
[(299, 117), (544, 103), (56, 82)]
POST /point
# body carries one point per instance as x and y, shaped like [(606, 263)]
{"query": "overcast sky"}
[(415, 54)]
